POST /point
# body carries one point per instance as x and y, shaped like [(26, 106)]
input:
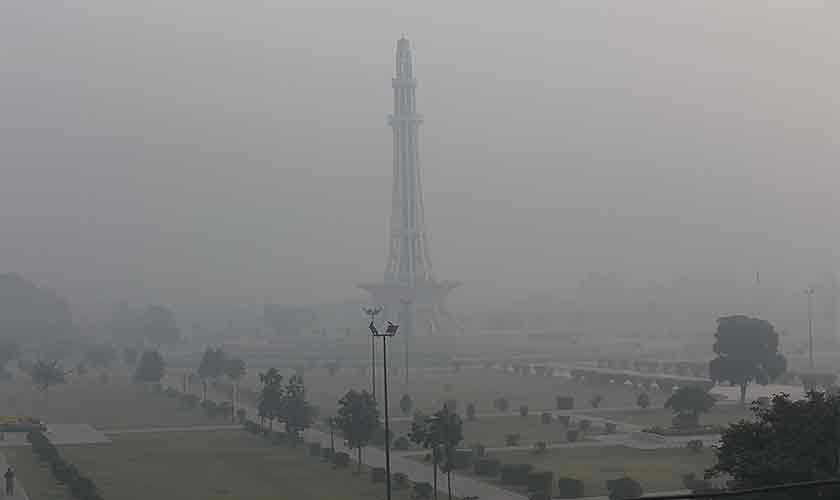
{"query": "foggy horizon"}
[(199, 152)]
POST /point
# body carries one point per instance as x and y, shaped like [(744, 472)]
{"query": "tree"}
[(358, 419), (406, 404), (297, 412), (234, 370), (788, 441), (158, 325), (9, 351), (270, 399), (46, 374), (747, 350), (150, 369), (423, 435), (211, 367), (129, 356), (447, 426), (689, 402), (643, 401)]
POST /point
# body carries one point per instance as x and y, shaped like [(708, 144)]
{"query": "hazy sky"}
[(204, 151)]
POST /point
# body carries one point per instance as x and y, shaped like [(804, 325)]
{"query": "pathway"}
[(20, 493), (194, 428)]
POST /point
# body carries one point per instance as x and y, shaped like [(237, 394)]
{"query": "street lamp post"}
[(372, 312), (810, 293), (390, 331)]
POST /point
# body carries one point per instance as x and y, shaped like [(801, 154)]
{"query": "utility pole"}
[(372, 312), (390, 331), (810, 293)]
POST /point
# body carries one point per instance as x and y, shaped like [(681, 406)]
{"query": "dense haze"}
[(203, 151)]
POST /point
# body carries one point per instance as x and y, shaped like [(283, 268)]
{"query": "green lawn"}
[(719, 415), (655, 470), (216, 465), (86, 400), (35, 476), (491, 431)]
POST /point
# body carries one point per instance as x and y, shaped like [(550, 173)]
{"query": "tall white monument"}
[(409, 292)]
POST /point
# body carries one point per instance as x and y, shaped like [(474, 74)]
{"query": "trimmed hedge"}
[(341, 459), (623, 488), (568, 487), (81, 487), (422, 491), (541, 482)]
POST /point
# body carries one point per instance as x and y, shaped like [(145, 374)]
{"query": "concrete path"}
[(20, 493), (150, 430)]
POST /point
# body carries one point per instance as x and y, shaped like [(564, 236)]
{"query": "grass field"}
[(491, 431), (216, 465), (655, 470), (86, 400), (35, 476), (719, 415)]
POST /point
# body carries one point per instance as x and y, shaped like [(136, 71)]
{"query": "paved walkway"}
[(20, 493), (149, 430)]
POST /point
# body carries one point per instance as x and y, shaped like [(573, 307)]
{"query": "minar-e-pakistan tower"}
[(410, 294)]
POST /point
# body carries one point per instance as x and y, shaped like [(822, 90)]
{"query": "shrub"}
[(488, 467), (251, 426), (189, 400), (461, 459), (540, 447), (523, 411), (623, 488), (695, 445), (546, 418), (377, 475), (402, 443), (512, 439), (564, 420), (585, 425), (610, 427), (596, 401), (315, 449), (515, 474), (471, 412), (171, 392), (400, 481), (643, 401), (572, 435), (541, 482), (208, 405), (565, 402), (685, 421), (501, 404), (341, 459), (568, 487), (422, 491)]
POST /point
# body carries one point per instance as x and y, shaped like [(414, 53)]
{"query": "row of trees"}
[(285, 404)]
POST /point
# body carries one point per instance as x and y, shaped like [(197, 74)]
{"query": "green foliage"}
[(643, 400), (422, 491), (358, 418), (341, 459), (234, 369), (189, 400), (150, 369), (568, 487), (747, 351), (402, 443), (541, 482), (406, 404), (81, 487), (297, 413), (212, 366), (690, 401), (270, 398), (790, 441), (46, 374), (624, 488)]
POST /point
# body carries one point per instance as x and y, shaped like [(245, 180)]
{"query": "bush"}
[(515, 474), (564, 420), (422, 491), (523, 411), (541, 482), (540, 447), (572, 435), (546, 418), (377, 475), (565, 402), (315, 449), (488, 467), (171, 392), (643, 401), (610, 427), (596, 401), (400, 481), (341, 459), (251, 426), (695, 445), (461, 459), (189, 400), (568, 487), (585, 425), (210, 406), (685, 421), (501, 404), (512, 439), (402, 443), (623, 488)]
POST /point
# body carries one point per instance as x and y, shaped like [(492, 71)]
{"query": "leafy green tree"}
[(358, 419), (46, 374), (406, 404), (447, 426), (689, 402), (150, 369), (234, 370), (747, 351), (643, 400), (297, 412), (211, 367), (422, 434), (270, 399), (788, 442)]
